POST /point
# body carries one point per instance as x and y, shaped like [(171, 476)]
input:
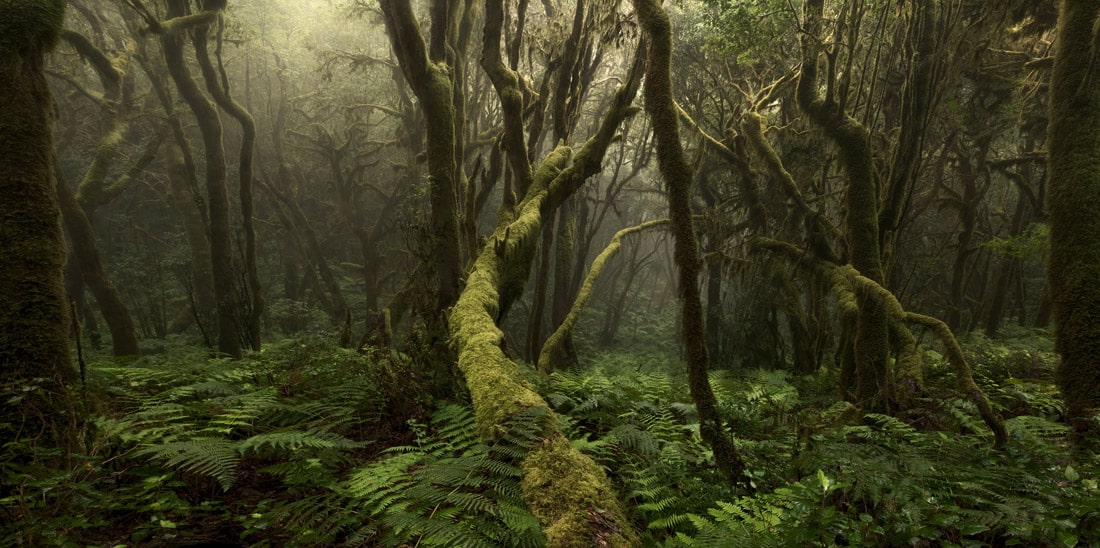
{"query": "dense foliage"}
[(308, 444), (335, 273)]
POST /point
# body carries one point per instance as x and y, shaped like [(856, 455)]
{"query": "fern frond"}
[(215, 458)]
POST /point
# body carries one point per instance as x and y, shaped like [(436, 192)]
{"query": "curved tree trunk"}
[(92, 190), (562, 486), (220, 93), (124, 340), (433, 87), (221, 252), (1074, 268), (874, 386), (34, 316), (561, 334)]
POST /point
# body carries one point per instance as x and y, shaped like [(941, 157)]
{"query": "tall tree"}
[(678, 177), (217, 83), (428, 73), (34, 341), (78, 209), (217, 196), (1074, 156)]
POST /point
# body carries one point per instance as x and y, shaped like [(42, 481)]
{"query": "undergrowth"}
[(308, 444)]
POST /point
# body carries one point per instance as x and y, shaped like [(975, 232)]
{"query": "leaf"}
[(972, 528), (823, 480), (1072, 474)]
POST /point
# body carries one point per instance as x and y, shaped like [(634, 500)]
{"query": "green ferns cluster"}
[(449, 488), (308, 444), (826, 475)]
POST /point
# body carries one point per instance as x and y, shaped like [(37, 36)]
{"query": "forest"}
[(565, 273)]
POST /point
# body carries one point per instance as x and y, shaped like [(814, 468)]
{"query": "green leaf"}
[(1072, 474), (825, 481), (1067, 538), (972, 528)]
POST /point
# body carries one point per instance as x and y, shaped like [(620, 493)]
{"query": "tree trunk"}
[(34, 315), (678, 176), (202, 292), (1074, 160), (562, 486), (220, 93), (871, 348), (217, 196), (431, 84), (124, 340)]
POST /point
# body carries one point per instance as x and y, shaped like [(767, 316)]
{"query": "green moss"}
[(564, 489), (30, 26), (552, 344), (1074, 267), (570, 494), (34, 326)]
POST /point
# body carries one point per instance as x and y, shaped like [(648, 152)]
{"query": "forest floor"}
[(309, 444)]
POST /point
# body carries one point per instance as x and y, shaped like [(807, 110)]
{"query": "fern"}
[(211, 457), (449, 489)]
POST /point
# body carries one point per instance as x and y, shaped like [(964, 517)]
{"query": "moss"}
[(1074, 267), (558, 337), (554, 474), (34, 323), (496, 385), (964, 378), (30, 27), (676, 172)]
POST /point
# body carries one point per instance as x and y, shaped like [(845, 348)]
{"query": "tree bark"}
[(874, 386), (217, 195), (34, 314), (562, 486), (428, 78), (92, 190), (218, 86), (678, 177), (1074, 163), (124, 340)]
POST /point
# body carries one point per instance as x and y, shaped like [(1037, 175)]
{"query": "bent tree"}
[(34, 342), (1074, 153), (217, 194), (563, 487)]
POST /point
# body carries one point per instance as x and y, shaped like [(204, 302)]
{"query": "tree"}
[(78, 209), (216, 192), (34, 341), (1074, 153), (429, 74), (678, 176)]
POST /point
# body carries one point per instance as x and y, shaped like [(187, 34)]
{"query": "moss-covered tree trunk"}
[(34, 319), (92, 191), (564, 488), (678, 176), (86, 252), (428, 74), (217, 195), (183, 186), (218, 85), (871, 346), (1073, 201)]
